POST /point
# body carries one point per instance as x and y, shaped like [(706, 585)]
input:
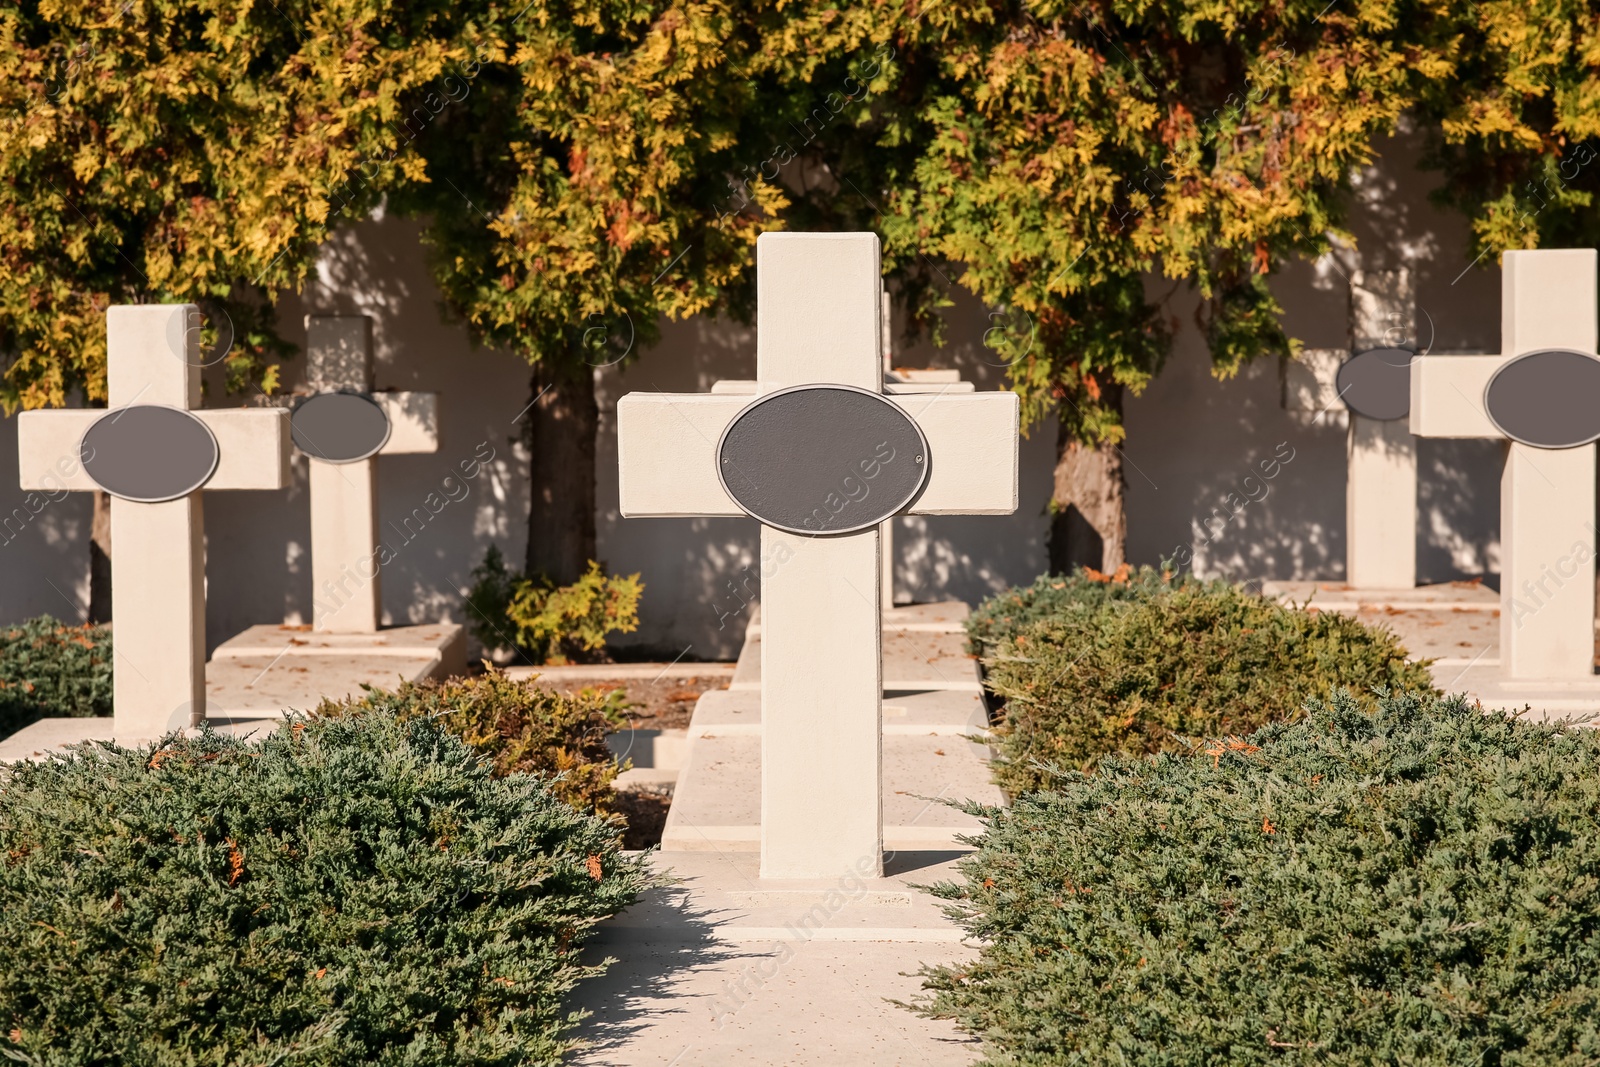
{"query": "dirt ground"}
[(646, 813), (660, 705)]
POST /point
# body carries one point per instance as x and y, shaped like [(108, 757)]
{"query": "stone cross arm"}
[(1447, 395), (667, 453), (413, 422), (252, 444)]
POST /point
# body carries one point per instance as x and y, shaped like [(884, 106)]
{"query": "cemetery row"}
[(1184, 796)]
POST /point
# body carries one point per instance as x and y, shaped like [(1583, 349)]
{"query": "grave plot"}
[(156, 455), (342, 428), (1539, 396), (1533, 643), (1455, 624), (809, 800)]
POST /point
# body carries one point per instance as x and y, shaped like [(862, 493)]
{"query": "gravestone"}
[(1381, 476), (898, 381), (342, 429), (1541, 395), (822, 457), (156, 456), (1371, 384)]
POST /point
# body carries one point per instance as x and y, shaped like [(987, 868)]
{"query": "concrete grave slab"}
[(940, 663), (717, 804), (722, 966), (255, 678), (946, 616), (1457, 626)]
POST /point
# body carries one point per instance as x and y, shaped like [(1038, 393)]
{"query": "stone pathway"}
[(1457, 625), (722, 967)]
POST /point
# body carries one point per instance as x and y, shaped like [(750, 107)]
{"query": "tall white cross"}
[(1381, 471), (1381, 453), (342, 429), (687, 455), (154, 454), (1547, 488)]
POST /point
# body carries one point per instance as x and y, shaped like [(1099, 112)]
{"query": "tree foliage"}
[(586, 169), (192, 150)]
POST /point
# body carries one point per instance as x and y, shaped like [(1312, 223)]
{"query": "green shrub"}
[(518, 727), (546, 622), (1417, 884), (345, 890), (1055, 595), (51, 669), (1140, 669)]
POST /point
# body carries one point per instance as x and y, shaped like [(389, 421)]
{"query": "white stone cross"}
[(1547, 494), (153, 457), (818, 323), (345, 559), (1381, 470)]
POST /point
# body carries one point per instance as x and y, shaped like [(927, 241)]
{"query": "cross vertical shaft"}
[(1547, 496), (818, 321), (157, 550), (1381, 483), (344, 499)]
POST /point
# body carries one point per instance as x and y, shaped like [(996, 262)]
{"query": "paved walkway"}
[(1457, 626), (725, 968)]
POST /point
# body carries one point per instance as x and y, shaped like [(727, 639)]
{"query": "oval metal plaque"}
[(823, 459), (339, 427), (1377, 383), (149, 453), (1548, 399)]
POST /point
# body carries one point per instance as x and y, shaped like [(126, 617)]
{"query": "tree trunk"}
[(562, 423), (100, 559), (1089, 526)]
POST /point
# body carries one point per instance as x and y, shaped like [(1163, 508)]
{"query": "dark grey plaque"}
[(1549, 398), (339, 427), (1377, 384), (149, 453), (823, 459)]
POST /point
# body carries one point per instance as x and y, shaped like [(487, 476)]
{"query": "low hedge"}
[(1416, 884), (517, 726), (1137, 670), (51, 669), (1055, 596), (345, 890)]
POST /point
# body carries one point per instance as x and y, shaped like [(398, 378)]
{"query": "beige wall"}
[(1191, 441)]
